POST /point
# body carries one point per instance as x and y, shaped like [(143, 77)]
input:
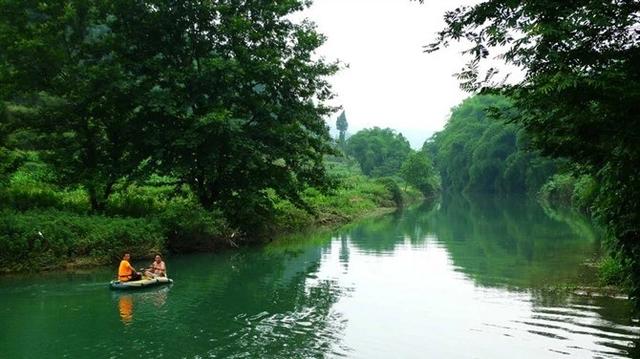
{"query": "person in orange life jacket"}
[(126, 272)]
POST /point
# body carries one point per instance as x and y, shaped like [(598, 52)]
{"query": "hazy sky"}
[(390, 81)]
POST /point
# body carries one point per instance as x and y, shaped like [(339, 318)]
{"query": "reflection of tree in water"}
[(496, 242), (384, 234), (344, 251), (375, 235), (268, 303), (515, 243), (511, 242)]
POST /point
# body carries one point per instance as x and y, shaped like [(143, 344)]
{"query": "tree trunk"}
[(98, 199), (96, 205)]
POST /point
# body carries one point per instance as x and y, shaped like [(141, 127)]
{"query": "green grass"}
[(48, 239), (45, 227), (355, 196)]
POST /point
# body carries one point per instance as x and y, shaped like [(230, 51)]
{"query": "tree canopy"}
[(475, 153), (223, 96), (380, 152), (418, 171), (580, 95)]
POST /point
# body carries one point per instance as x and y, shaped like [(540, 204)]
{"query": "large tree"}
[(379, 151), (225, 96), (580, 95), (249, 99), (418, 171), (71, 63)]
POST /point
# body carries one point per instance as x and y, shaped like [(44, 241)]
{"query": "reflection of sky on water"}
[(470, 280), (413, 302)]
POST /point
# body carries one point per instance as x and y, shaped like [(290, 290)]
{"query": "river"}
[(464, 278)]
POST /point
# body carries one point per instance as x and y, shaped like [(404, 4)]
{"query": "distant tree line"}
[(475, 153), (382, 152)]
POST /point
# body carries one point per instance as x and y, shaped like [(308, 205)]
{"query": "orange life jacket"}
[(124, 271)]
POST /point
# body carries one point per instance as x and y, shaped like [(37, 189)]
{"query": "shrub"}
[(23, 197), (566, 189), (135, 201), (48, 239), (585, 192), (559, 189), (289, 217), (30, 196), (188, 227), (392, 186), (612, 272)]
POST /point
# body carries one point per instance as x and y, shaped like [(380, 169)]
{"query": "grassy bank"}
[(43, 228)]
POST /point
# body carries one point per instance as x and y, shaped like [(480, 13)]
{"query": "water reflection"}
[(495, 242), (464, 278), (125, 306), (151, 298), (519, 259), (261, 303), (514, 242)]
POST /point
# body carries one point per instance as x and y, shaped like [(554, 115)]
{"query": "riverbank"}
[(146, 220), (565, 196)]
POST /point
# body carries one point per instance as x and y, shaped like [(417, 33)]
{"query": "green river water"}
[(465, 278)]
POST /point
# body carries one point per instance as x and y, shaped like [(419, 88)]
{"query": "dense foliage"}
[(41, 240), (571, 191), (475, 153), (379, 151), (418, 171), (580, 96), (160, 125), (224, 97), (44, 227)]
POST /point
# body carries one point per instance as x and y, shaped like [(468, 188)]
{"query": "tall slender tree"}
[(342, 125)]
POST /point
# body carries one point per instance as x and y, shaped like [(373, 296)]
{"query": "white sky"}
[(390, 81)]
